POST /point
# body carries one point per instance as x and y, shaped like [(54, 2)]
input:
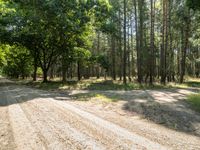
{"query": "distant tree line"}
[(147, 40)]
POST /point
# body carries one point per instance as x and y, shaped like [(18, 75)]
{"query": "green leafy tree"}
[(18, 62)]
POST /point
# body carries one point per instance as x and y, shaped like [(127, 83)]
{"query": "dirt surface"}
[(36, 119)]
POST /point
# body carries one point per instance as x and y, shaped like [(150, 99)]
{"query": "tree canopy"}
[(147, 40)]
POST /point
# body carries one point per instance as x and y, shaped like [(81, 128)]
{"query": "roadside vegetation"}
[(134, 63), (101, 45), (194, 100), (134, 41), (102, 85)]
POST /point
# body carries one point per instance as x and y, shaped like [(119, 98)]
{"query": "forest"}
[(99, 74), (128, 40)]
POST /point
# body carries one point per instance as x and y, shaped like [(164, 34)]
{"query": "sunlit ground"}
[(101, 84)]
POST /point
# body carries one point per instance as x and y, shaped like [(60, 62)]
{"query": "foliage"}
[(50, 29), (88, 35), (17, 61), (2, 56), (194, 4), (103, 61), (194, 100)]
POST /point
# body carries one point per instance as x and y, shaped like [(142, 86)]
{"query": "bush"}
[(194, 100)]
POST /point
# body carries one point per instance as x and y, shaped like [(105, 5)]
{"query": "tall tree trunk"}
[(184, 49), (140, 38), (120, 47), (35, 63), (78, 71), (71, 70), (64, 70), (35, 70), (98, 50), (113, 58), (125, 57), (171, 52), (45, 75), (52, 72), (151, 44), (129, 51), (166, 39), (163, 49), (132, 52)]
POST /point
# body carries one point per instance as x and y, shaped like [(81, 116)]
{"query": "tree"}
[(194, 4), (18, 61), (149, 40), (151, 44), (125, 52), (140, 38)]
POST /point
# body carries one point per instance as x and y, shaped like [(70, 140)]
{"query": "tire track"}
[(121, 132), (61, 125), (108, 139), (6, 136), (99, 134), (128, 139), (71, 138), (24, 133)]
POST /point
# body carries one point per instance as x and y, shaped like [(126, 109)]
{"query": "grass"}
[(100, 84), (96, 96), (194, 100), (90, 85)]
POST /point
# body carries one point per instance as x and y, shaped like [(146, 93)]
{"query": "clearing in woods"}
[(138, 119)]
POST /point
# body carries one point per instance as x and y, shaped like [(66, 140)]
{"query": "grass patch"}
[(100, 84), (105, 98), (95, 97), (46, 86), (194, 100)]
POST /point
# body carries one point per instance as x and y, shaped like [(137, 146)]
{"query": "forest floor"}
[(32, 118)]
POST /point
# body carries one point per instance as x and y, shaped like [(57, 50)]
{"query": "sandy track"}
[(34, 119), (6, 137), (39, 121)]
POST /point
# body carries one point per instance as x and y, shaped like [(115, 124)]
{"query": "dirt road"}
[(35, 119)]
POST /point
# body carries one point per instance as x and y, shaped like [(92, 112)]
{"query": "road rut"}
[(35, 119)]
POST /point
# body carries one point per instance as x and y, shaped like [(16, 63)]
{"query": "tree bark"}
[(125, 57), (113, 58), (151, 45), (35, 71), (45, 75), (140, 39), (35, 63), (163, 48), (184, 49), (64, 72), (120, 47), (98, 49), (78, 71), (129, 51)]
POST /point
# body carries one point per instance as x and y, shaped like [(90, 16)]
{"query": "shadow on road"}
[(174, 114)]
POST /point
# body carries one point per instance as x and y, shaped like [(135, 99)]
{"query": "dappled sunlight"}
[(73, 92), (159, 106), (74, 73), (141, 100), (46, 94), (185, 92), (166, 110), (162, 97)]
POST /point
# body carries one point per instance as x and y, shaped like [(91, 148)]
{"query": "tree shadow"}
[(193, 84), (111, 85), (170, 111), (173, 114)]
